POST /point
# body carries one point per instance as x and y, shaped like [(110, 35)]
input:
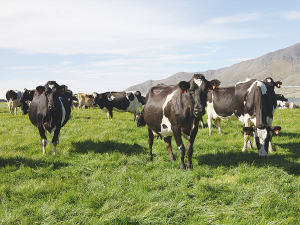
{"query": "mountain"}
[(283, 65)]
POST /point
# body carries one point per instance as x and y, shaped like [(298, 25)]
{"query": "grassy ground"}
[(102, 174)]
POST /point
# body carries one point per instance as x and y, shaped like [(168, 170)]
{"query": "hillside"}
[(283, 65)]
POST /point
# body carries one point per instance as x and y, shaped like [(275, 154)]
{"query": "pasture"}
[(102, 174)]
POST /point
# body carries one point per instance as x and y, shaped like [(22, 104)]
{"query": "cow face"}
[(262, 137), (98, 99), (198, 89), (52, 91), (140, 121), (269, 81)]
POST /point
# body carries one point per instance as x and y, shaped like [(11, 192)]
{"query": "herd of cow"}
[(167, 110)]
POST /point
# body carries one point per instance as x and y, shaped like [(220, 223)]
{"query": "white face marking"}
[(52, 86), (165, 125), (95, 95), (269, 80), (111, 98), (198, 82), (262, 135)]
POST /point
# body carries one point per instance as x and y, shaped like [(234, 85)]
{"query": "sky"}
[(110, 45)]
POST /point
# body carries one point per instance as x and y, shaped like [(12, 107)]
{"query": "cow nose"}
[(199, 111)]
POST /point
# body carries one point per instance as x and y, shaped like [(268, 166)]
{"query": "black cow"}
[(49, 110), (25, 99), (255, 102), (174, 111), (117, 101)]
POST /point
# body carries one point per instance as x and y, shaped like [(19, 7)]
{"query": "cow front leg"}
[(43, 135), (209, 119), (150, 142), (271, 150), (189, 146), (55, 140), (246, 142), (181, 148), (169, 148)]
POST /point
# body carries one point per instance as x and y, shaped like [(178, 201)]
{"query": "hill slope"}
[(283, 65)]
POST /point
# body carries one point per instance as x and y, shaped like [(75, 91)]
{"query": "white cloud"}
[(293, 15), (105, 27), (236, 18)]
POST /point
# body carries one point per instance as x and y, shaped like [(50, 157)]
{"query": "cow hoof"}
[(182, 167), (189, 166), (263, 156)]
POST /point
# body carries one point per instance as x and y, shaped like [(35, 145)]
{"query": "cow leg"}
[(169, 148), (150, 142), (218, 124), (181, 148), (269, 123), (246, 139), (209, 119), (43, 135), (190, 144), (55, 140), (201, 122)]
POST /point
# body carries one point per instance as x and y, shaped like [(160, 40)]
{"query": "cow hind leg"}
[(150, 142), (169, 148), (218, 124)]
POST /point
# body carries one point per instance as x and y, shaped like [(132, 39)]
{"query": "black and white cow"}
[(49, 110), (174, 111), (117, 101), (284, 103), (254, 102), (13, 102)]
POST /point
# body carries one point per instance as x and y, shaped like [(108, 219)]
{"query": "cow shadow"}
[(26, 162), (234, 159), (106, 146)]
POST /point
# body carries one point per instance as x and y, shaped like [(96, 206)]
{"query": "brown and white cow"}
[(49, 110), (116, 101), (84, 100), (174, 111), (13, 102)]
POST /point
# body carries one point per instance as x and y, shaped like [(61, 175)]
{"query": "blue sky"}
[(110, 45)]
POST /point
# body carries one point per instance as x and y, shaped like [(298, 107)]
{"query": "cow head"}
[(27, 95), (198, 88), (269, 81), (53, 91), (98, 99), (262, 137), (140, 121), (11, 95)]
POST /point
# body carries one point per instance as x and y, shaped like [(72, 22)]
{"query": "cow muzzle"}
[(199, 112)]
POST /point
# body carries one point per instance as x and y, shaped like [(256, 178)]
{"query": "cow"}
[(84, 100), (284, 103), (13, 102), (219, 106), (25, 99), (254, 102), (175, 110), (49, 110), (116, 101)]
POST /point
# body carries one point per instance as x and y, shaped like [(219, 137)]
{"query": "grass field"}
[(102, 174)]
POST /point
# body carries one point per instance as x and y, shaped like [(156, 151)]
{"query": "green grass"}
[(102, 174)]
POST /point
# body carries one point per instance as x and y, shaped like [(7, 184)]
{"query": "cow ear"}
[(215, 84), (184, 86), (276, 129), (278, 84), (248, 130), (40, 89)]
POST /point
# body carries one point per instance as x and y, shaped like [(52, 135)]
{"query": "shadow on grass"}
[(106, 146), (233, 159), (26, 162)]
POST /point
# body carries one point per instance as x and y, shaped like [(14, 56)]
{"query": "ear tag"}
[(62, 91), (278, 85), (276, 131), (183, 91), (248, 133), (142, 115)]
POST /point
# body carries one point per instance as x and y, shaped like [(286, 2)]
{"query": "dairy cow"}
[(84, 100), (174, 111), (284, 103), (116, 101), (255, 102), (49, 110), (13, 102)]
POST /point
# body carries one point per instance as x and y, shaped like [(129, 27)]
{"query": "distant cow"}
[(255, 102), (25, 99), (174, 111), (117, 101), (84, 100), (13, 102), (284, 103), (49, 110)]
